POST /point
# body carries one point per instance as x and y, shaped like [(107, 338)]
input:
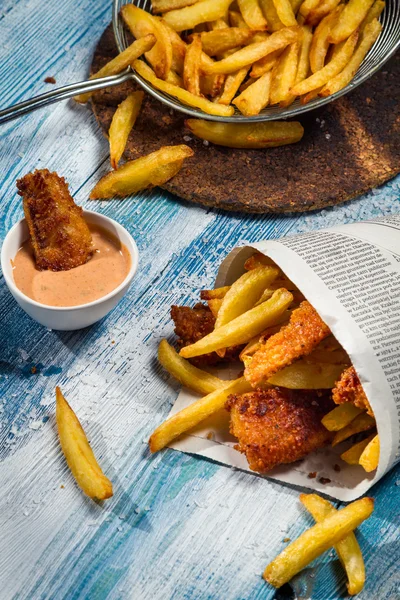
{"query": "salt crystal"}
[(187, 138), (328, 136), (137, 510), (35, 425), (206, 143)]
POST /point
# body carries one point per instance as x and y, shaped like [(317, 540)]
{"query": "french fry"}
[(187, 374), (369, 459), (303, 66), (316, 540), (270, 13), (78, 453), (194, 414), (241, 329), (201, 12), (341, 416), (214, 305), (232, 84), (162, 6), (361, 423), (255, 97), (257, 260), (175, 79), (121, 62), (334, 67), (368, 38), (296, 5), (252, 14), (211, 85), (320, 40), (307, 6), (179, 48), (244, 293), (216, 293), (352, 16), (143, 173), (220, 40), (322, 10), (247, 135), (285, 12), (353, 454), (211, 108), (347, 549), (122, 122), (305, 375), (236, 19), (140, 22), (284, 74), (373, 13), (191, 67), (310, 95), (253, 52), (265, 64)]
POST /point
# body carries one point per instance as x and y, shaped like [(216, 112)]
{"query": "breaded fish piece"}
[(278, 426), (349, 389), (192, 324), (298, 338), (59, 234)]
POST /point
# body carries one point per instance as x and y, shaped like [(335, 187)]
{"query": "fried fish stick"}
[(349, 389), (59, 234), (303, 333)]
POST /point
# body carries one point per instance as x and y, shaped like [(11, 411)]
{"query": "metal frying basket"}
[(385, 47)]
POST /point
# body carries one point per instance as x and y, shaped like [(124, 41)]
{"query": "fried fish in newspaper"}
[(298, 338), (192, 324), (278, 426), (59, 234), (349, 389)]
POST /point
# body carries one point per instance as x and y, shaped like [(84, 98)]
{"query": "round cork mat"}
[(349, 146)]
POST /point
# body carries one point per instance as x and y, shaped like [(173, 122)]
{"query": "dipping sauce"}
[(104, 272)]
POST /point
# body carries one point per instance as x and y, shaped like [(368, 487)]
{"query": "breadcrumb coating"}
[(349, 389)]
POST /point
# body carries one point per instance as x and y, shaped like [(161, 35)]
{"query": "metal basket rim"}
[(238, 118)]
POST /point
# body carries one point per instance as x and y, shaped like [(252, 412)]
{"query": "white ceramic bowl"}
[(76, 317)]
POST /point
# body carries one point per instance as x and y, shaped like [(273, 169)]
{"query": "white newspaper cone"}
[(351, 275)]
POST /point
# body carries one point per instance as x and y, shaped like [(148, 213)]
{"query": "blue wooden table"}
[(177, 527)]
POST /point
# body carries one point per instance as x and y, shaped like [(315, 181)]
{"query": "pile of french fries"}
[(247, 312), (216, 55)]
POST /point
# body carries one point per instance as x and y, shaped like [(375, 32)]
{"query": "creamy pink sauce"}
[(107, 268)]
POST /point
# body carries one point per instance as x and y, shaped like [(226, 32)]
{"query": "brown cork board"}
[(349, 147)]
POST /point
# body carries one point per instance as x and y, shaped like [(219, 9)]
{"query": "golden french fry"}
[(121, 62), (220, 40), (252, 14), (296, 5), (232, 84), (143, 173), (347, 549), (244, 293), (320, 41), (284, 74), (270, 13), (211, 108), (179, 48), (341, 416), (307, 6), (368, 38), (253, 52), (310, 95), (361, 423), (265, 64), (353, 454), (140, 22), (255, 97), (191, 67), (305, 375), (78, 453), (194, 414), (317, 540), (187, 374), (214, 305), (122, 122), (236, 19), (334, 67), (352, 16), (163, 6), (322, 10), (369, 459), (216, 293), (285, 12), (373, 13), (303, 66), (247, 135), (174, 78), (219, 24), (243, 328), (257, 260), (201, 12)]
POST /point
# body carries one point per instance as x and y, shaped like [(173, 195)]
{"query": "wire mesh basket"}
[(385, 47)]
